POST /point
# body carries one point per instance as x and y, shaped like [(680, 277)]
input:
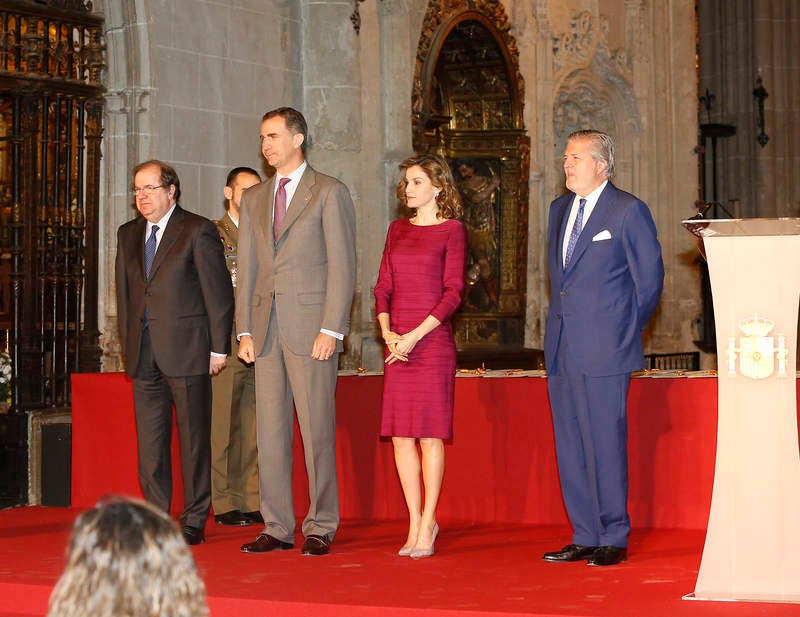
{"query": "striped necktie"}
[(576, 231), (150, 252), (280, 207)]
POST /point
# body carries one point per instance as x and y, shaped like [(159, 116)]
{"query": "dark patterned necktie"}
[(150, 251), (280, 207), (576, 231)]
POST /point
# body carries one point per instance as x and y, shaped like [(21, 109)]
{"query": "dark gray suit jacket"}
[(189, 297)]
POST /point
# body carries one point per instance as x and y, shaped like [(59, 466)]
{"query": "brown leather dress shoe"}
[(571, 552), (316, 545), (608, 556), (265, 543), (193, 535)]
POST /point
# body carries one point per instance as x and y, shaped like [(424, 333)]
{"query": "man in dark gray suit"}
[(175, 309)]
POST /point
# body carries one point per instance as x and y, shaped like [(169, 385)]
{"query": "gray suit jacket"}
[(309, 272)]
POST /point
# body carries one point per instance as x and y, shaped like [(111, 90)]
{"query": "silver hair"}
[(602, 147)]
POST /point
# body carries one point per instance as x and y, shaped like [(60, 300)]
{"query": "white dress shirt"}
[(591, 202), (162, 225)]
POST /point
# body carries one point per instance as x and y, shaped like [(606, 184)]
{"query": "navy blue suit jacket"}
[(605, 297)]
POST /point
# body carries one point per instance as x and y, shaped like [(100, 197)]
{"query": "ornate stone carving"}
[(621, 60), (579, 105), (575, 46), (585, 42)]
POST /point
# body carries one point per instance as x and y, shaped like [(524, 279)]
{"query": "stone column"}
[(127, 135), (332, 106)]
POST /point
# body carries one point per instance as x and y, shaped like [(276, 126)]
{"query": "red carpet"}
[(479, 570)]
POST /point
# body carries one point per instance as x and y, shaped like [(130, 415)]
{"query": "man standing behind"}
[(175, 307), (606, 276), (294, 289), (234, 457)]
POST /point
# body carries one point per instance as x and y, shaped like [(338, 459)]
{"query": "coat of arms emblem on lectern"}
[(757, 353)]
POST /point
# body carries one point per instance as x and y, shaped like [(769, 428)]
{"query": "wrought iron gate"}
[(51, 105)]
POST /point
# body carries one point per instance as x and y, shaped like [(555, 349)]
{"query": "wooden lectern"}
[(752, 549)]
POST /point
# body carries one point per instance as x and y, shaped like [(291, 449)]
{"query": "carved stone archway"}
[(467, 104)]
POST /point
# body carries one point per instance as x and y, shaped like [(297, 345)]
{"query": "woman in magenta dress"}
[(418, 290)]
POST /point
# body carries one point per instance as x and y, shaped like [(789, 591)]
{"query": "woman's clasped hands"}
[(399, 345)]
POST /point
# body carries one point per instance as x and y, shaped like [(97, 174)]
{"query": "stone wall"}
[(740, 40), (188, 82)]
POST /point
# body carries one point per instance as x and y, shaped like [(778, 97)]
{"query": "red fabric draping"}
[(500, 465)]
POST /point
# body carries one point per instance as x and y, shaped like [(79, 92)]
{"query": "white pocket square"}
[(603, 235)]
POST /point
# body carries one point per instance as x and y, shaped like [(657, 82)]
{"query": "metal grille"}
[(50, 129)]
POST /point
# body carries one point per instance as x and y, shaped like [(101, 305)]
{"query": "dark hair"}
[(602, 147), (234, 173), (168, 175), (295, 122), (437, 169)]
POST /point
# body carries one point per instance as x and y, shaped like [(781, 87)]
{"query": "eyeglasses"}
[(147, 190)]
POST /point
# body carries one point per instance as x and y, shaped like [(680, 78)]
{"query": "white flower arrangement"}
[(5, 378)]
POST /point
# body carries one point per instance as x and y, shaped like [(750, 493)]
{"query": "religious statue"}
[(479, 187)]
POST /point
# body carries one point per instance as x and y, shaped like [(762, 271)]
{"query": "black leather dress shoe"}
[(193, 535), (608, 556), (316, 545), (234, 518), (571, 552), (265, 543), (253, 518)]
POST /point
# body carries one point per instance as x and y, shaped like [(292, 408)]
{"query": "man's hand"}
[(246, 353), (324, 347), (216, 364)]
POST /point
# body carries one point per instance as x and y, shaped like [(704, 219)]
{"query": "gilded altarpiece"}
[(468, 99)]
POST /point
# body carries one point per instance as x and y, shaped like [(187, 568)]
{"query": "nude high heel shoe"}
[(419, 553), (405, 551)]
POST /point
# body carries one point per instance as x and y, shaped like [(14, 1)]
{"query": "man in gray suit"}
[(295, 286), (174, 310)]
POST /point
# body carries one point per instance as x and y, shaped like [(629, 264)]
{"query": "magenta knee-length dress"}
[(421, 274)]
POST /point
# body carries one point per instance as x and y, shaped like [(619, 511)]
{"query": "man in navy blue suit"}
[(606, 276)]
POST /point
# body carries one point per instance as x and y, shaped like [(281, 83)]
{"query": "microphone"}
[(702, 207)]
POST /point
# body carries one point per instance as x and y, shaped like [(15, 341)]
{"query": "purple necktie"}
[(279, 211), (576, 231)]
